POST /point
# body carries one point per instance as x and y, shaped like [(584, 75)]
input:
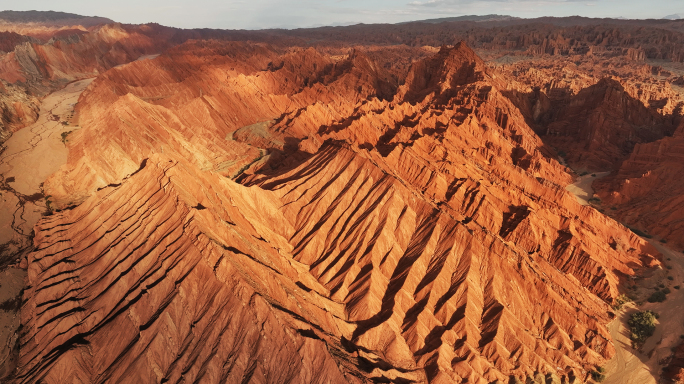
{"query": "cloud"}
[(437, 3), (251, 14), (431, 3)]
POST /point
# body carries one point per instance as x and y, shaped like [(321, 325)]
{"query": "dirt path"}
[(582, 187), (27, 159), (630, 366)]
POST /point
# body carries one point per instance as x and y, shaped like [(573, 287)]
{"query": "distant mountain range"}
[(475, 18), (65, 19), (51, 17)]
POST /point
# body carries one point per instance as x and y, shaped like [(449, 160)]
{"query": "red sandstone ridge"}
[(42, 66), (192, 276), (9, 40), (646, 190), (350, 210), (442, 74), (380, 232), (209, 98), (30, 67), (17, 109), (597, 128), (46, 25)]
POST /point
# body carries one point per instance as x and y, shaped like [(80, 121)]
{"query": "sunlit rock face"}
[(237, 212), (37, 58), (645, 191)]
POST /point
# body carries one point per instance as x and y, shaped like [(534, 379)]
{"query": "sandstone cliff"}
[(675, 370), (30, 67), (599, 126), (646, 190), (403, 230), (17, 109)]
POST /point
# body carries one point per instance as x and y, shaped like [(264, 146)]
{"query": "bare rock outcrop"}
[(645, 192), (210, 104), (188, 280), (602, 124), (597, 127), (675, 370), (17, 110), (405, 233)]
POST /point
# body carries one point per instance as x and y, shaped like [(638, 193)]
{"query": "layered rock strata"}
[(17, 110), (645, 192), (419, 233), (594, 126)]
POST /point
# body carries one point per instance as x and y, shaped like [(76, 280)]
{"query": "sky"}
[(257, 14)]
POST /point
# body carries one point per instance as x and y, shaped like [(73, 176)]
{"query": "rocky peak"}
[(443, 73)]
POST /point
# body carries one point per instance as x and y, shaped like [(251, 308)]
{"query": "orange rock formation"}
[(407, 233), (599, 126), (342, 204), (646, 190)]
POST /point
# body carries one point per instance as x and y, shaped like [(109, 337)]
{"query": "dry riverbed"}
[(644, 366), (582, 189), (26, 160)]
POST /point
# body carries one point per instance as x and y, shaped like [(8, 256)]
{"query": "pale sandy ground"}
[(582, 187), (644, 367), (30, 156), (147, 57)]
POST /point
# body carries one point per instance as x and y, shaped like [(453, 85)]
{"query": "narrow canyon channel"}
[(26, 160), (643, 365), (582, 189)]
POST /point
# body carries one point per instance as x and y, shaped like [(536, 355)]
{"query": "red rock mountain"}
[(645, 191), (349, 204), (597, 128), (383, 229), (31, 68), (675, 370)]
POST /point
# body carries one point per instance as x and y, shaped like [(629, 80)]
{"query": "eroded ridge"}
[(188, 280), (420, 236)]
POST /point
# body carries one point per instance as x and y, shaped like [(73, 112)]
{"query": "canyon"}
[(440, 202)]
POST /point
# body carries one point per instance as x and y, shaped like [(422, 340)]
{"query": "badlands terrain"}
[(446, 201)]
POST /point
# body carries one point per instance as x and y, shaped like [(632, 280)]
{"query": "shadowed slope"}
[(425, 237), (646, 190), (187, 277)]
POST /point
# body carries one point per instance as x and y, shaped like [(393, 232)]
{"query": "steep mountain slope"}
[(646, 190), (597, 128), (9, 40), (199, 100), (189, 274), (346, 204), (56, 55), (42, 66), (17, 109), (406, 233), (30, 69)]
